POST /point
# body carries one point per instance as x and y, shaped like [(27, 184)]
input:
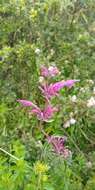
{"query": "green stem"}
[(74, 143), (39, 186), (12, 156)]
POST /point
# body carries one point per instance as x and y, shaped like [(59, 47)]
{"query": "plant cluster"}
[(48, 142)]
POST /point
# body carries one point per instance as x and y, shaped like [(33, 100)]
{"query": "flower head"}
[(45, 115), (70, 122), (74, 98), (57, 143), (94, 90), (59, 148), (49, 72), (26, 103), (41, 167), (91, 102), (37, 51), (52, 90), (44, 71), (53, 71), (70, 83)]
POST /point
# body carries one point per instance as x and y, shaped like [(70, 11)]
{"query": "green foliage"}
[(33, 33)]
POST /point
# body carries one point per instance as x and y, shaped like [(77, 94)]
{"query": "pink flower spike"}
[(26, 103), (70, 83), (44, 115), (58, 85), (48, 112), (52, 89), (38, 113)]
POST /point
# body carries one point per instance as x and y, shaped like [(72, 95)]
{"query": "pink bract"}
[(27, 103), (70, 83)]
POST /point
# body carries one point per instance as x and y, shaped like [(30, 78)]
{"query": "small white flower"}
[(67, 124), (52, 51), (74, 98), (37, 51), (67, 153), (71, 114), (66, 61), (89, 164), (94, 90), (90, 81), (91, 102), (72, 121), (82, 90), (50, 68), (41, 79)]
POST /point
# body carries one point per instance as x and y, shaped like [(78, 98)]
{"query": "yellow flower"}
[(40, 167), (33, 13)]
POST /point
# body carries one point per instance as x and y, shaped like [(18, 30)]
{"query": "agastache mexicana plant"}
[(52, 90), (46, 114)]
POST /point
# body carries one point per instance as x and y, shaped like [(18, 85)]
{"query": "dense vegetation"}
[(57, 33)]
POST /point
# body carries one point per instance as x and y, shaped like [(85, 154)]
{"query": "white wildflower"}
[(91, 102), (82, 90), (89, 164), (71, 114), (52, 51), (37, 51), (41, 79), (72, 121), (67, 124), (90, 81), (94, 90), (67, 153), (74, 98)]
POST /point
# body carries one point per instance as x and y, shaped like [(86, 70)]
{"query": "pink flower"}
[(26, 103), (44, 71), (49, 72), (44, 115), (70, 83), (53, 89), (53, 71), (57, 143)]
